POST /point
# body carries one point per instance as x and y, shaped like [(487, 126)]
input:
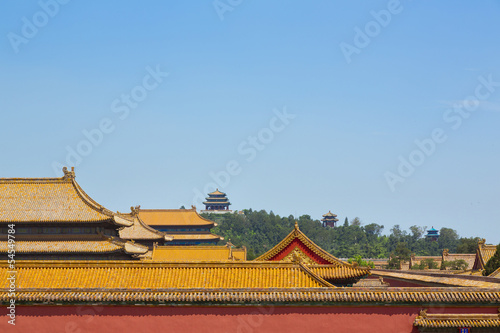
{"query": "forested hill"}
[(259, 231)]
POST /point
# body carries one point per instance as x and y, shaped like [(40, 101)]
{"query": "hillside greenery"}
[(259, 231)]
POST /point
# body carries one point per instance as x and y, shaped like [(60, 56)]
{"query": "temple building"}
[(329, 219), (217, 203), (185, 226), (432, 234), (53, 218)]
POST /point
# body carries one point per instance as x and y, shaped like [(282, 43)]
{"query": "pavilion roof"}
[(217, 192), (50, 200), (330, 214), (174, 217)]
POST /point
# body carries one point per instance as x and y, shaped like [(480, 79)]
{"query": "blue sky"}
[(292, 106)]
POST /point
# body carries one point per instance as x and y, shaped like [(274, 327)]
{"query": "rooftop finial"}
[(69, 174), (134, 211), (296, 225)]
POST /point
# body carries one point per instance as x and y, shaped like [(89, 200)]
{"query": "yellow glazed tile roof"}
[(48, 200), (486, 252), (140, 230), (297, 234), (142, 275), (94, 246), (338, 272), (103, 245), (444, 279), (173, 217), (207, 236), (443, 320), (349, 295), (495, 274), (217, 192), (198, 253)]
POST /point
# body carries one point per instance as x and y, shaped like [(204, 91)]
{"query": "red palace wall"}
[(122, 319)]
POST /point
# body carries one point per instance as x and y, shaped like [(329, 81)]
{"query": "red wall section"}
[(121, 319)]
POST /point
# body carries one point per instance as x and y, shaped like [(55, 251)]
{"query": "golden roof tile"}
[(36, 275), (174, 217), (349, 295), (140, 230), (443, 320), (338, 272), (103, 245), (92, 246), (441, 279), (202, 237), (296, 234), (484, 253), (198, 253), (48, 200)]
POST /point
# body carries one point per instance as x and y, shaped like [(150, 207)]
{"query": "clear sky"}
[(385, 110)]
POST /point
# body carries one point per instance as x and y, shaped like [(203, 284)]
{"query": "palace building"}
[(55, 219), (432, 234), (82, 268), (185, 226), (329, 219), (216, 203)]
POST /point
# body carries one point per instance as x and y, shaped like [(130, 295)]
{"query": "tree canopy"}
[(259, 231)]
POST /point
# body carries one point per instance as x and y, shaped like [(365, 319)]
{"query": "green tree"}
[(356, 222), (493, 264), (400, 255), (448, 239), (467, 245)]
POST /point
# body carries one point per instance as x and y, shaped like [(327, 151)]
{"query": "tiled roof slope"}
[(440, 279), (140, 230), (483, 254), (103, 245), (195, 237), (495, 274), (198, 253), (335, 272), (48, 200), (289, 296), (299, 235), (132, 275), (443, 320), (66, 246), (174, 217)]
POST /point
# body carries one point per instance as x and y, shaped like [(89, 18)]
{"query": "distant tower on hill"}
[(217, 203), (329, 219), (432, 234)]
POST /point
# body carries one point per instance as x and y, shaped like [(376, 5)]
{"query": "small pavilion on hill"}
[(216, 203), (432, 234), (329, 220)]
